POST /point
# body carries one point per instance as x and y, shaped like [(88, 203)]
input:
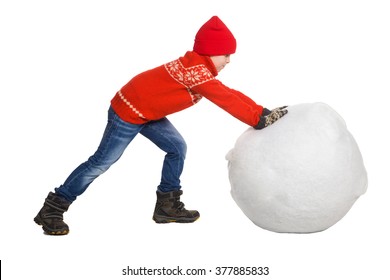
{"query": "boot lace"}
[(179, 206)]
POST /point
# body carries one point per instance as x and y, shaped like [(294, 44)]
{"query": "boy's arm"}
[(246, 99), (234, 102)]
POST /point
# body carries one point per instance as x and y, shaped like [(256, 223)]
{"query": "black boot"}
[(169, 209), (50, 216)]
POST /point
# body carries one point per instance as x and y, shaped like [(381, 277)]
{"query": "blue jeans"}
[(117, 136)]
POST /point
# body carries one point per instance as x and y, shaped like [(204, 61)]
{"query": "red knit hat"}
[(214, 38)]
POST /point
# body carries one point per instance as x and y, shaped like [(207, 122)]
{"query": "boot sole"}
[(49, 231), (166, 220)]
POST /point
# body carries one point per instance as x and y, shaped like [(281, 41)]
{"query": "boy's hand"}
[(273, 116)]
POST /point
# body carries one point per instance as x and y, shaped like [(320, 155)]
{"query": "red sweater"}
[(178, 85)]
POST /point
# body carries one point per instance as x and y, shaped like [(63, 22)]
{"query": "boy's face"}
[(220, 61)]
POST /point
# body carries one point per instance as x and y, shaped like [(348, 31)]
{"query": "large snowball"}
[(302, 174)]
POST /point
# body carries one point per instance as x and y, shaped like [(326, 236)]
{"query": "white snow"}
[(300, 175)]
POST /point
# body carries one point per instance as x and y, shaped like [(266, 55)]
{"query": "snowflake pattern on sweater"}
[(189, 77)]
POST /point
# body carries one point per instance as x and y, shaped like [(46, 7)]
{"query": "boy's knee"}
[(99, 165), (179, 147), (183, 148)]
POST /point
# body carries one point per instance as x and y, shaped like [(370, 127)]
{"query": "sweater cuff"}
[(261, 123)]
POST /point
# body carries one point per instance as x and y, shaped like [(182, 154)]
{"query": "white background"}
[(61, 62)]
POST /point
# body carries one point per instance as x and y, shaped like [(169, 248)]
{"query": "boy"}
[(141, 106)]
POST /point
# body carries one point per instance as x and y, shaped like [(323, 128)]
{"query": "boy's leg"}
[(167, 138), (117, 135), (169, 208)]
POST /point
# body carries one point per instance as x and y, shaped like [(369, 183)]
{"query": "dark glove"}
[(265, 112), (273, 116)]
